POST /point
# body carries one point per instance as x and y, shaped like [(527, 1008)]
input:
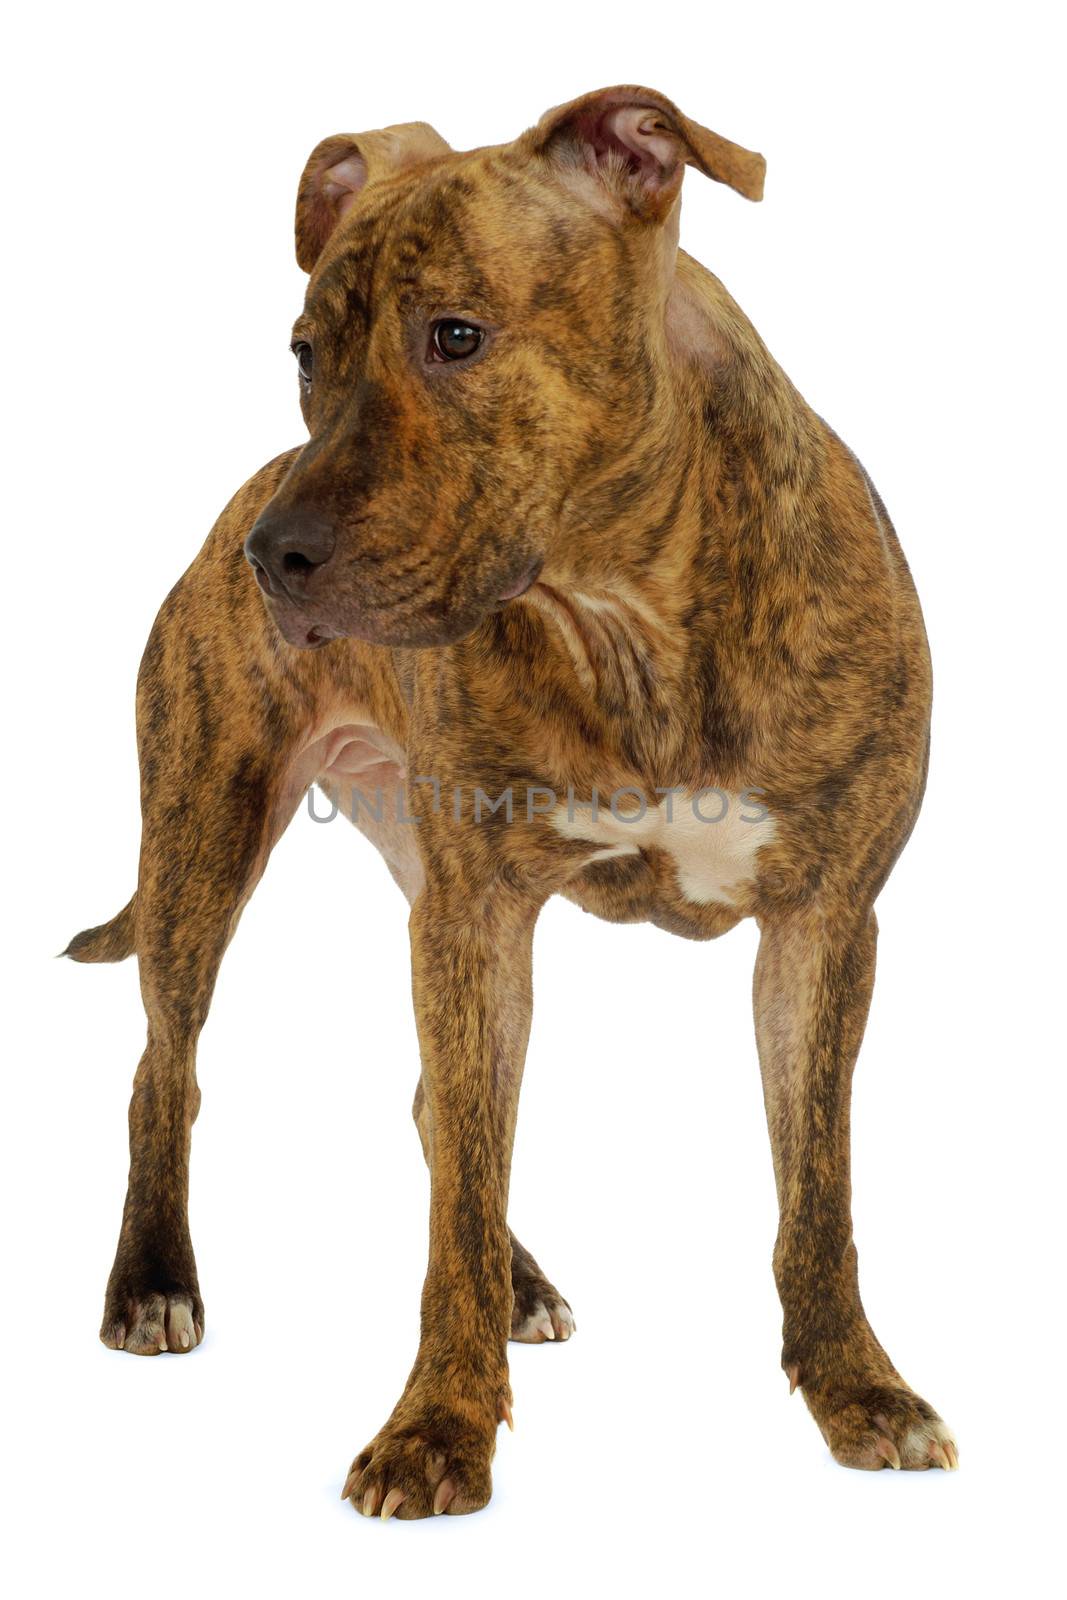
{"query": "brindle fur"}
[(628, 429)]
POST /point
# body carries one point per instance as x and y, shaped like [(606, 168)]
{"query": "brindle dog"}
[(563, 529)]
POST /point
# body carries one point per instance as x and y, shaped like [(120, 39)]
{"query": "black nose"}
[(285, 547)]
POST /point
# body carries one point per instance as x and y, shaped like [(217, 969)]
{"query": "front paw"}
[(426, 1461), (152, 1304), (152, 1322), (881, 1423)]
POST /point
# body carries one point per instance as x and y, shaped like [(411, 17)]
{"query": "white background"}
[(902, 269)]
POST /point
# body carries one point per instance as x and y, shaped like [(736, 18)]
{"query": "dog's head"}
[(482, 337)]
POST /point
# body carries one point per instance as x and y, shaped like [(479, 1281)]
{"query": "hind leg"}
[(216, 792), (539, 1313)]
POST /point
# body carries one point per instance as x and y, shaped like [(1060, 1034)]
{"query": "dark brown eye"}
[(305, 360), (453, 340)]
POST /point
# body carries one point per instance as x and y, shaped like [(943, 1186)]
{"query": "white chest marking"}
[(712, 837)]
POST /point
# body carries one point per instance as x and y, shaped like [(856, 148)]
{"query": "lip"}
[(527, 581), (321, 633), (300, 628), (295, 625)]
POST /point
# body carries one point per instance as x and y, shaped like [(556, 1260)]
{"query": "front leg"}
[(814, 976), (471, 957)]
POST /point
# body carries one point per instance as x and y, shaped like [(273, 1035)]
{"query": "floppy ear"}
[(628, 147), (339, 167)]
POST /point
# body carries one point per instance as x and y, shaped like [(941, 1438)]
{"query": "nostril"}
[(296, 564)]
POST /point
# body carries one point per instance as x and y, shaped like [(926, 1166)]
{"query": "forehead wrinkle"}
[(337, 288), (351, 264), (512, 232), (433, 240), (438, 250)]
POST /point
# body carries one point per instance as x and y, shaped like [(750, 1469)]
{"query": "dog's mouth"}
[(319, 621), (516, 590), (319, 635)]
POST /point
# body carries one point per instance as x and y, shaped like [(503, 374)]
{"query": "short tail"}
[(112, 941)]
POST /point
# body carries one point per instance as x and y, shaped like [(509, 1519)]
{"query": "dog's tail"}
[(112, 941)]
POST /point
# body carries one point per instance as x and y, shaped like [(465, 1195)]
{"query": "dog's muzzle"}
[(284, 550)]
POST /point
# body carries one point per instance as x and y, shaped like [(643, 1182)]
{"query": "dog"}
[(569, 592)]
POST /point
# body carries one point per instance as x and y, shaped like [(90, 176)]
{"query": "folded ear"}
[(628, 147), (339, 167)]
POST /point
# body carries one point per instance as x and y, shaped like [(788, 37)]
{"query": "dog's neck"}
[(731, 453), (692, 556)]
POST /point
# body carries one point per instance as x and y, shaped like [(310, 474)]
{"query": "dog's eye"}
[(305, 360), (453, 340)]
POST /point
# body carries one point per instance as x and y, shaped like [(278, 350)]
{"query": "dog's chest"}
[(711, 838)]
